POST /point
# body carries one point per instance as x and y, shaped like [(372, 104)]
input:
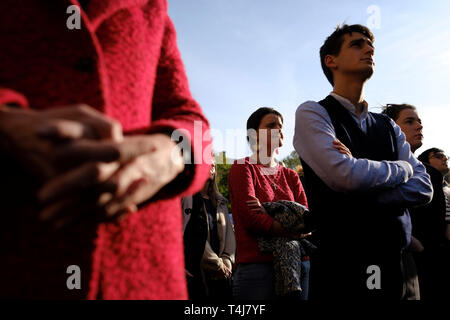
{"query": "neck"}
[(264, 159), (351, 89)]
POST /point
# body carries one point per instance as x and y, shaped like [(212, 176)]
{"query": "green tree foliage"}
[(292, 161), (222, 181)]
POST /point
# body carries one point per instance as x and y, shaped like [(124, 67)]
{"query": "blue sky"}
[(243, 54)]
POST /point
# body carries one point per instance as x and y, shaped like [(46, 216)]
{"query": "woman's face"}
[(270, 135), (212, 171)]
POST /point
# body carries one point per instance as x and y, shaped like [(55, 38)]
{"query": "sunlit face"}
[(270, 133), (212, 171), (411, 125), (439, 161), (355, 56)]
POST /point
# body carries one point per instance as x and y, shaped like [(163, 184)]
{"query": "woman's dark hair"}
[(393, 110), (333, 44), (254, 122), (425, 156)]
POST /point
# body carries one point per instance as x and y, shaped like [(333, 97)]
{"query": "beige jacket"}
[(211, 261)]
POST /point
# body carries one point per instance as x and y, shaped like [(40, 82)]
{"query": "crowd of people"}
[(368, 201), (92, 177)]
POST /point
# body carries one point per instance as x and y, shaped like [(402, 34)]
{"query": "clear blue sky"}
[(243, 54)]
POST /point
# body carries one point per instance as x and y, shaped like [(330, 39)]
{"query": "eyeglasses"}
[(439, 156)]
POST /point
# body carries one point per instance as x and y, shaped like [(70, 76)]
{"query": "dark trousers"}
[(352, 277), (434, 274)]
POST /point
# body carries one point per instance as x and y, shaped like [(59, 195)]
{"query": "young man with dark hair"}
[(360, 175)]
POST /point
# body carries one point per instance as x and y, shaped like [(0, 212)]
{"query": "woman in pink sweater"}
[(252, 181)]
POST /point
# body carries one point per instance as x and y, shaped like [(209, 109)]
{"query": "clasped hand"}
[(85, 162)]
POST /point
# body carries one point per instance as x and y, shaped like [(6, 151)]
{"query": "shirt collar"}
[(350, 106)]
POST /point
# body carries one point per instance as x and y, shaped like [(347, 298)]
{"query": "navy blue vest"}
[(355, 218)]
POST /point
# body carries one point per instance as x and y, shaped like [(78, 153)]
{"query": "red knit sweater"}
[(247, 180), (124, 62)]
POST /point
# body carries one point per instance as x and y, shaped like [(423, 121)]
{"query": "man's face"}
[(438, 160), (411, 125), (355, 56)]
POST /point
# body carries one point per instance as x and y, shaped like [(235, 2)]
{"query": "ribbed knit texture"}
[(124, 61), (247, 180)]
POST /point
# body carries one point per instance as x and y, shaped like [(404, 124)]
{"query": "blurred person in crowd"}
[(432, 230), (214, 256)]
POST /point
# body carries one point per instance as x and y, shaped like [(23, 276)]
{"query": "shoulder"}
[(287, 171), (435, 175), (309, 106), (311, 110), (240, 164), (241, 168), (383, 117), (290, 173)]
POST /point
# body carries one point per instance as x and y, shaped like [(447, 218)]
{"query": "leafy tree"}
[(223, 169), (222, 181), (292, 161)]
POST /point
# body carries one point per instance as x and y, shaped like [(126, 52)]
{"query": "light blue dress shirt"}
[(404, 182)]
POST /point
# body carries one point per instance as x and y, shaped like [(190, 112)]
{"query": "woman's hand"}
[(35, 138), (256, 206), (223, 273), (140, 167)]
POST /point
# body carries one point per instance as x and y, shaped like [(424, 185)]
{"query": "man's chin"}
[(416, 145), (367, 73)]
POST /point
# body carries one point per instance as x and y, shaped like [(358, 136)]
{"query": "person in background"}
[(432, 229), (447, 195), (208, 210), (252, 181), (407, 118)]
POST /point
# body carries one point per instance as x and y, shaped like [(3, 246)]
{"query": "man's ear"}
[(330, 61)]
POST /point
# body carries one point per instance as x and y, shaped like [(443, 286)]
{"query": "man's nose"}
[(420, 126), (369, 49)]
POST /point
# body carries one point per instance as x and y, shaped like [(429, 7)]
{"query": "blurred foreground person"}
[(91, 193)]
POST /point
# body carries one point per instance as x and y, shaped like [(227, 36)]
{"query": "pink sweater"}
[(247, 180)]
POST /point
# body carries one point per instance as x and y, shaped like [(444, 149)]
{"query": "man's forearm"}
[(416, 191), (313, 141)]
